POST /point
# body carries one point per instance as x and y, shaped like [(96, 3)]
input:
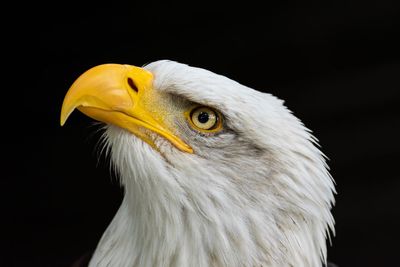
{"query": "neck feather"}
[(162, 222)]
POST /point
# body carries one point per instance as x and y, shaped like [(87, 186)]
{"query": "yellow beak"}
[(113, 94)]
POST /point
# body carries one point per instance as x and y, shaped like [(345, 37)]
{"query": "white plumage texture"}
[(256, 194)]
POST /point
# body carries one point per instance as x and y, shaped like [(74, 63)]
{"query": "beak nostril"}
[(133, 85)]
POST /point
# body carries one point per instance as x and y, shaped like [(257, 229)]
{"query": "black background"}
[(335, 63)]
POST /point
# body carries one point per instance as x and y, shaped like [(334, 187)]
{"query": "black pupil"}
[(203, 117)]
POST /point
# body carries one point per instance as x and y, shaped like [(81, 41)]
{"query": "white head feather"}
[(258, 194)]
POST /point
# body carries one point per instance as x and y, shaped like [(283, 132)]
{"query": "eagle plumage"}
[(255, 191)]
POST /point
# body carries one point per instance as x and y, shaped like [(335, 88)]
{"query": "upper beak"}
[(112, 93)]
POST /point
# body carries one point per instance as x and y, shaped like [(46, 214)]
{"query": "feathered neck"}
[(164, 223)]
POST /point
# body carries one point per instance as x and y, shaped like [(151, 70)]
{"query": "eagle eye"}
[(205, 119)]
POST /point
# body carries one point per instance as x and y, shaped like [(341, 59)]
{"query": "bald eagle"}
[(214, 172)]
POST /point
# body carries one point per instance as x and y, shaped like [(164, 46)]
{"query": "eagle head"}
[(214, 172)]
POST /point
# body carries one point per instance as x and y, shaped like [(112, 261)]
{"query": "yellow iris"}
[(205, 119)]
